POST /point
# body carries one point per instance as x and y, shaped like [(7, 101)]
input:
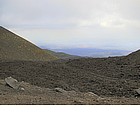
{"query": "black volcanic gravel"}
[(103, 76)]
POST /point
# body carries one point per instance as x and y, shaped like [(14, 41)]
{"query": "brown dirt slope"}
[(14, 47)]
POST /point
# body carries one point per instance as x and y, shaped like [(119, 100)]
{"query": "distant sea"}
[(93, 52)]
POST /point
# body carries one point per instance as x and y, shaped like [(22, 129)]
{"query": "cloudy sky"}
[(85, 23)]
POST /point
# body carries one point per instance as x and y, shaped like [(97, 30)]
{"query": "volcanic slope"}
[(102, 76), (14, 47), (134, 57)]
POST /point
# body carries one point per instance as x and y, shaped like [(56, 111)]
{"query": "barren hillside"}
[(14, 47)]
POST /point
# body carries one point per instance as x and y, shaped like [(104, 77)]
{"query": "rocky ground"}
[(113, 79), (34, 95)]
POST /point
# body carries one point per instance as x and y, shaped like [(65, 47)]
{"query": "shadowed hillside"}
[(13, 47)]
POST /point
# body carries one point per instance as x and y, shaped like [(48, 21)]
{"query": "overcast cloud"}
[(94, 23)]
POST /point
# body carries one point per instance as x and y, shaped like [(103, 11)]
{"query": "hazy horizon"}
[(103, 24)]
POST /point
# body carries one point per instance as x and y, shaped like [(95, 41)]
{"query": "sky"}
[(113, 24)]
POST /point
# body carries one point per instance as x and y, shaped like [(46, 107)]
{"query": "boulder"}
[(138, 90), (93, 94), (60, 90), (12, 82)]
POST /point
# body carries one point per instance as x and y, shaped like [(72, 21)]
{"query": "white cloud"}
[(65, 21)]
